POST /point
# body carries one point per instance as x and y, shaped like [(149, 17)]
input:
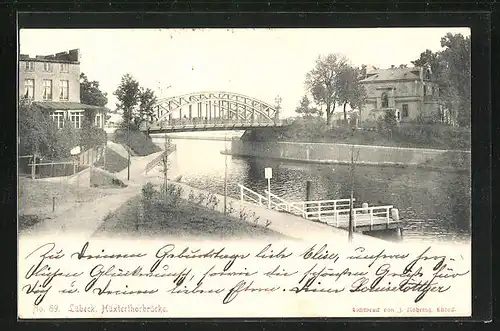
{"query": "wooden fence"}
[(39, 169)]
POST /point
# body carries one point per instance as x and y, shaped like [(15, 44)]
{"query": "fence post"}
[(241, 193), (319, 211), (371, 217), (336, 213)]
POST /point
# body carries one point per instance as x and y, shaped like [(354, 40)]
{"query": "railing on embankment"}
[(153, 163), (332, 212)]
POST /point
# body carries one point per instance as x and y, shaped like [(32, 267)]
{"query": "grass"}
[(140, 143), (412, 135), (38, 194), (183, 220), (114, 161), (28, 221)]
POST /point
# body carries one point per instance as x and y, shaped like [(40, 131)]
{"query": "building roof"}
[(53, 105), (71, 56), (392, 74)]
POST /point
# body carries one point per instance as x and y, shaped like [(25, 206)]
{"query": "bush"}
[(140, 143), (37, 132), (91, 136), (66, 139), (433, 136)]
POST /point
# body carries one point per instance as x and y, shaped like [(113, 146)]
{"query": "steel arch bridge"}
[(207, 111)]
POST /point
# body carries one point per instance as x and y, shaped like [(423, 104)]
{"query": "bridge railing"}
[(201, 122)]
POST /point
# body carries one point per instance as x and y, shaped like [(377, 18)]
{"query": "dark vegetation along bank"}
[(140, 143), (412, 135), (150, 214)]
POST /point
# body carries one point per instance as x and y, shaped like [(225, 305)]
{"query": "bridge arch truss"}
[(212, 106)]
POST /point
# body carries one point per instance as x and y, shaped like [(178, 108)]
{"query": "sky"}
[(260, 63)]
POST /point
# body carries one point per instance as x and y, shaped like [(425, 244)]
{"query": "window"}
[(405, 110), (47, 89), (47, 66), (64, 67), (385, 100), (29, 88), (76, 119), (58, 118), (428, 74), (98, 120), (30, 66), (64, 90)]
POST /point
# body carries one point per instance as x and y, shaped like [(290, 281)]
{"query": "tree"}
[(452, 68), (350, 90), (128, 95), (321, 81), (305, 108), (147, 100), (429, 59), (456, 72), (90, 94), (136, 102)]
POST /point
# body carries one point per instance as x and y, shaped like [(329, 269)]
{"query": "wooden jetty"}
[(370, 220)]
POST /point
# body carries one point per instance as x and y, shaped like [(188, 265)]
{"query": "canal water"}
[(433, 205)]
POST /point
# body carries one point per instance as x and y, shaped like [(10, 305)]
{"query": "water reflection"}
[(432, 204)]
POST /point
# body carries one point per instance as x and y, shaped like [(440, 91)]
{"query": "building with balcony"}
[(52, 83), (410, 92)]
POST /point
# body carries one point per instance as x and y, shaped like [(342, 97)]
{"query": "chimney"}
[(74, 55)]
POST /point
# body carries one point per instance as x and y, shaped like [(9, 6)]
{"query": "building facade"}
[(410, 92), (52, 83)]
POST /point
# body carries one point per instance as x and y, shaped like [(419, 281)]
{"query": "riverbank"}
[(365, 155), (180, 220)]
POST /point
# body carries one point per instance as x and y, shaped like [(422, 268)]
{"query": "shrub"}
[(173, 194), (66, 139), (91, 136)]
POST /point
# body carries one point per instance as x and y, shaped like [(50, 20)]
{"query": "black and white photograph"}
[(354, 142)]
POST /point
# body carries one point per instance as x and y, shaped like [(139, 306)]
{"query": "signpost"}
[(268, 173), (75, 151)]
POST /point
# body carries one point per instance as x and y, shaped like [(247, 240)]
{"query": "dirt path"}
[(83, 219)]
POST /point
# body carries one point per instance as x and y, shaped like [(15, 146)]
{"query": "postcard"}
[(249, 173)]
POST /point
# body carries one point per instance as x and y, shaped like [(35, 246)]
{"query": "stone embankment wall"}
[(447, 160)]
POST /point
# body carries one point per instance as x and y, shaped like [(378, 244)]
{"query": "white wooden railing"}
[(361, 216), (283, 205), (248, 195), (331, 212)]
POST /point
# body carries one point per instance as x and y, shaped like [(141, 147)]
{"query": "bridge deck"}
[(209, 127)]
